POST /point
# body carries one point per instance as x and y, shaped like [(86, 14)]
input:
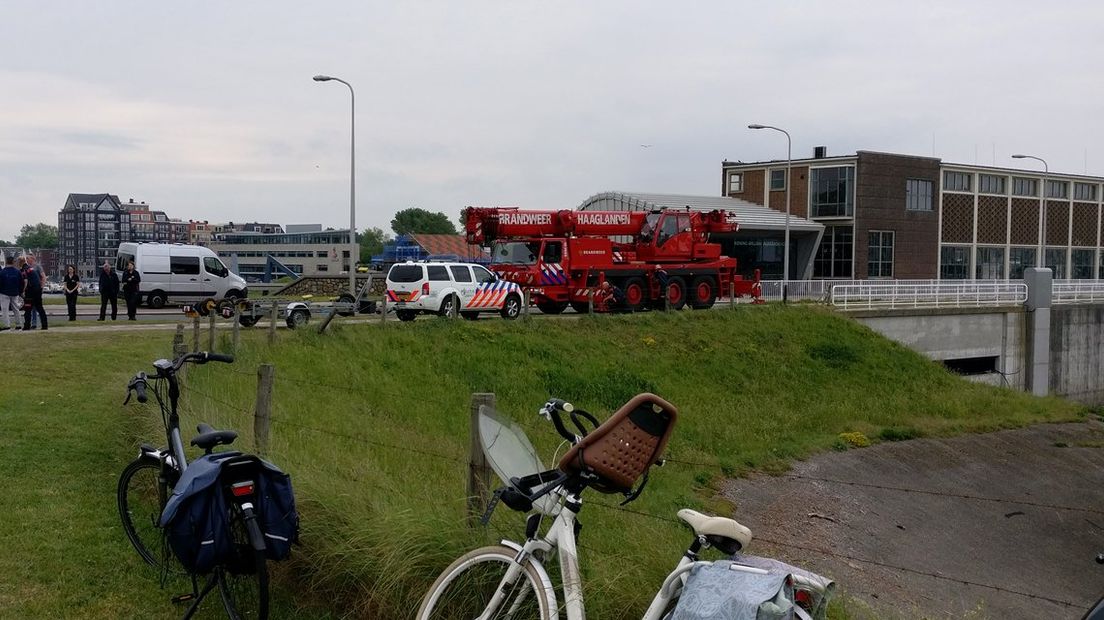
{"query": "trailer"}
[(626, 260), (295, 313)]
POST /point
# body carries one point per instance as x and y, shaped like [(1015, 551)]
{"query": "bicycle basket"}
[(622, 449)]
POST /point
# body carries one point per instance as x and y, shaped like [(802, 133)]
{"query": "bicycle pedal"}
[(183, 598)]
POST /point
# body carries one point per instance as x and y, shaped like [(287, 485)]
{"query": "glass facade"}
[(957, 181), (1081, 264), (989, 264), (990, 184), (833, 257), (1018, 260), (832, 191), (1055, 259), (954, 262), (1024, 187)]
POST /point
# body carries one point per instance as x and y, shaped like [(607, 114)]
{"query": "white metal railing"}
[(930, 294), (1077, 291), (820, 290)]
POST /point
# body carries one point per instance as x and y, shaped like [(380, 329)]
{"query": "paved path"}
[(1041, 542)]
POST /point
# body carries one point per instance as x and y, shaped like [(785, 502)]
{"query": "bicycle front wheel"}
[(467, 587), (243, 578), (141, 495)]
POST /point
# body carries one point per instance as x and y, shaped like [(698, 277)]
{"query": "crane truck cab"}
[(448, 288)]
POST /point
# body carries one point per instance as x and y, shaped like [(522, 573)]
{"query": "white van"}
[(173, 272), (439, 287)]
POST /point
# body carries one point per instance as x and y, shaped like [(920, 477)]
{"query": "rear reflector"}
[(242, 489), (425, 288)]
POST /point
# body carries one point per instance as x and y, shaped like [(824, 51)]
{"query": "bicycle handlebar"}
[(137, 385), (553, 410)]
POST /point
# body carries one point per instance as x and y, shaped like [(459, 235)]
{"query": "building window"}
[(777, 180), (1018, 260), (990, 264), (957, 181), (1024, 187), (954, 262), (1081, 264), (736, 183), (1056, 261), (918, 195), (1084, 191), (1057, 189), (991, 184), (831, 191), (833, 258), (880, 254), (322, 267)]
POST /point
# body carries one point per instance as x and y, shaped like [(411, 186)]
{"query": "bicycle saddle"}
[(208, 437), (724, 534)]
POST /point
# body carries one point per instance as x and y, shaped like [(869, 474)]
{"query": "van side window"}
[(184, 265), (482, 275), (437, 273), (122, 260), (214, 266), (461, 273)]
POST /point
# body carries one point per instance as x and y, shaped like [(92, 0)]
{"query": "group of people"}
[(22, 281)]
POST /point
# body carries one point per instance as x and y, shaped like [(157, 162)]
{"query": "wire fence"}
[(282, 420)]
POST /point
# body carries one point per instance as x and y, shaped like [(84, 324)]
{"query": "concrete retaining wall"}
[(1076, 352)]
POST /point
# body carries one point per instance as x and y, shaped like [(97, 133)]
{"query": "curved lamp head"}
[(757, 126), (1017, 156), (322, 78)]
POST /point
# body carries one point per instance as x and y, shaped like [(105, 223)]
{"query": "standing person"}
[(32, 264), (32, 298), (109, 291), (11, 291), (131, 280), (72, 285)]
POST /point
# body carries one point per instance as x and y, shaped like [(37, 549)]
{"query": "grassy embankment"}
[(372, 422), (373, 425)]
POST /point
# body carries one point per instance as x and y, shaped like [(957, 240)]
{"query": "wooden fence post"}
[(211, 331), (195, 333), (732, 293), (383, 309), (178, 341), (272, 325), (590, 302), (237, 328), (262, 412), (479, 473), (525, 302)]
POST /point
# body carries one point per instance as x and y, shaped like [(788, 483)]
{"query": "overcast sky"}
[(206, 110)]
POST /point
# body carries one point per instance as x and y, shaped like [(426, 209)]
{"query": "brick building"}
[(907, 217), (90, 228)]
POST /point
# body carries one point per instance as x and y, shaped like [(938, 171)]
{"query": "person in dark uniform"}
[(32, 298), (131, 279), (72, 285), (109, 290)]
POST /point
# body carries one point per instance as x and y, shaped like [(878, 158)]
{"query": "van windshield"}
[(405, 273)]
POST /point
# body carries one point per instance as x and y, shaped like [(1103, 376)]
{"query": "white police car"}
[(442, 288)]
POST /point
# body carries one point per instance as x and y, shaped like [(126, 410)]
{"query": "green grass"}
[(372, 423)]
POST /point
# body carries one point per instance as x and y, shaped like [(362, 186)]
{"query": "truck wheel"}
[(156, 300), (406, 315), (704, 293), (348, 300), (676, 294), (634, 294), (298, 318), (552, 307), (512, 308)]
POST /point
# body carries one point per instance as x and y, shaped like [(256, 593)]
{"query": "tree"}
[(371, 243), (37, 236), (415, 220), (6, 244)]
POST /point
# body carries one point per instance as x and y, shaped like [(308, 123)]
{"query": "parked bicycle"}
[(510, 580), (147, 484)]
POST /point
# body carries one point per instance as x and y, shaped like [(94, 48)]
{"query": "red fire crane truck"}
[(563, 257)]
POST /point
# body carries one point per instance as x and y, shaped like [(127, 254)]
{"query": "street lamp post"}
[(786, 242), (352, 182), (1041, 262)]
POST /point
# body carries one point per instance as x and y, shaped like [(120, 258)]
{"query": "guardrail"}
[(1077, 291), (931, 294)]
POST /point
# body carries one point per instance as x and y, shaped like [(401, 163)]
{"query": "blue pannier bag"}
[(197, 516)]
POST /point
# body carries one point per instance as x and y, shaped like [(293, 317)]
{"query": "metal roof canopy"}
[(749, 215)]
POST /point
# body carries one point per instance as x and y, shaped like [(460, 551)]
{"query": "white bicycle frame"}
[(561, 537)]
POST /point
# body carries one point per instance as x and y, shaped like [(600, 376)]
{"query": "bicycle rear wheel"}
[(467, 586), (141, 495), (243, 579)]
